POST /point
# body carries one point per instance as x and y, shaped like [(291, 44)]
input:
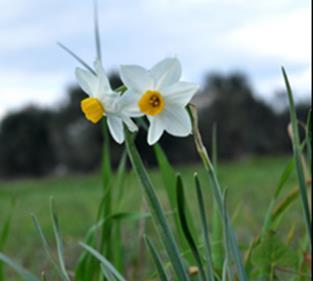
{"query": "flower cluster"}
[(157, 94)]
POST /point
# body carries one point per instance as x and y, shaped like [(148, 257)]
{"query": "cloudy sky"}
[(254, 36)]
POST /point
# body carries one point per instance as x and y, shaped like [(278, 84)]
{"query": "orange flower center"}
[(151, 103)]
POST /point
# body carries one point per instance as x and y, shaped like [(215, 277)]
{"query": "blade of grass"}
[(297, 154), (168, 176), (85, 261), (107, 274), (217, 229), (182, 206), (4, 234), (58, 239), (213, 180), (107, 266), (205, 229), (282, 182), (76, 57), (96, 31), (308, 140), (46, 247), (285, 204), (159, 215), (157, 260), (22, 272)]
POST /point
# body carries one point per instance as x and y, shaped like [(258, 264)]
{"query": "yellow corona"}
[(93, 109), (151, 103)]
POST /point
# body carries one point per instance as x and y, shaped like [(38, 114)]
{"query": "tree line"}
[(35, 141)]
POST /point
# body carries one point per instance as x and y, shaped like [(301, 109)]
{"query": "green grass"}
[(251, 184)]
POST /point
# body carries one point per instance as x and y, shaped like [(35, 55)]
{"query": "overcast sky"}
[(254, 36)]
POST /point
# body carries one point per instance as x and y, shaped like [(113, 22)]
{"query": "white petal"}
[(130, 124), (176, 121), (116, 128), (129, 104), (156, 130), (136, 78), (180, 93), (87, 81), (103, 83), (166, 72)]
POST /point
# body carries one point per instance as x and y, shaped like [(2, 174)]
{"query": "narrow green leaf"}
[(120, 178), (285, 204), (107, 274), (168, 176), (214, 183), (81, 61), (308, 140), (58, 239), (107, 266), (205, 229), (86, 261), (97, 32), (279, 187), (159, 215), (4, 234), (22, 272), (297, 154), (46, 247), (284, 178), (181, 203), (215, 147), (157, 260)]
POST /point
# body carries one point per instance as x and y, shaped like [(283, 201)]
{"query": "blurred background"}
[(233, 49)]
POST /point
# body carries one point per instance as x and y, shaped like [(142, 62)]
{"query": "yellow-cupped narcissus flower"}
[(103, 101), (159, 94)]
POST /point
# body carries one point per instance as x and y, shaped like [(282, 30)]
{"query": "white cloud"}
[(286, 37)]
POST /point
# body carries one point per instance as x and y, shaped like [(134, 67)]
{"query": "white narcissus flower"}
[(161, 96), (103, 101)]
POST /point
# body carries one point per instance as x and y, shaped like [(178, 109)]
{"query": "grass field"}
[(251, 183)]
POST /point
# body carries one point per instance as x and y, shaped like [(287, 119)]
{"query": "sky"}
[(252, 36)]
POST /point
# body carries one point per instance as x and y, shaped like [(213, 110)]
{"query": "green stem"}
[(159, 215)]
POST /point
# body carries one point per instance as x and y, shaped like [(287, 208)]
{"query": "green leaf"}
[(279, 187), (58, 239), (159, 215), (86, 264), (181, 203), (106, 265), (281, 208), (4, 234), (81, 61), (23, 273), (157, 260), (205, 229), (46, 247), (297, 154), (168, 175), (96, 31), (308, 139), (217, 192)]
